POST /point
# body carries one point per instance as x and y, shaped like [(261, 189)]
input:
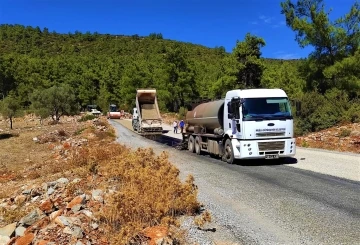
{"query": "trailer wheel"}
[(191, 144), (197, 145), (228, 152)]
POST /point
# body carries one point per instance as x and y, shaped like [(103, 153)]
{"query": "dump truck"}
[(146, 116), (114, 113), (246, 124)]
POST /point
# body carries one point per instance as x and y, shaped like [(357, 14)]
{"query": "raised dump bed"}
[(148, 119)]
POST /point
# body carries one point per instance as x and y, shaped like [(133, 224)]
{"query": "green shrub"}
[(182, 113), (305, 144), (344, 133), (87, 118), (353, 113), (319, 111), (79, 131)]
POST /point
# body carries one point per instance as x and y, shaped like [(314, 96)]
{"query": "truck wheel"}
[(191, 144), (197, 145), (228, 152)]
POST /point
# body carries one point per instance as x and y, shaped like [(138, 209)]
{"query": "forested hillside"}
[(102, 69)]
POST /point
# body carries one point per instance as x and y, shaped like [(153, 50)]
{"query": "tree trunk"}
[(176, 105), (57, 116), (11, 123)]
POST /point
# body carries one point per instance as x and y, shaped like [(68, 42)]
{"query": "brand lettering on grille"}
[(270, 129)]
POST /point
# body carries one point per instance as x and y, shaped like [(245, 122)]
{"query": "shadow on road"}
[(263, 162), (169, 141), (175, 143)]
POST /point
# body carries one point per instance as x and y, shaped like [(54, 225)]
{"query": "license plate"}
[(271, 156)]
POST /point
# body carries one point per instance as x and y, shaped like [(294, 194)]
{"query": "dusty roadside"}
[(70, 183), (264, 203)]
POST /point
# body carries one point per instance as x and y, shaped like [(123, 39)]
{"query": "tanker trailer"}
[(204, 127), (247, 124), (206, 118)]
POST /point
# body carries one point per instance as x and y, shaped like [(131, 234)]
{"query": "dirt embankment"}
[(344, 138), (70, 183)]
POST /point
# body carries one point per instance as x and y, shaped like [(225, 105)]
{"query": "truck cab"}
[(135, 119), (113, 112), (259, 123)]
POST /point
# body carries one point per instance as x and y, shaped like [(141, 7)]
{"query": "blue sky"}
[(209, 23)]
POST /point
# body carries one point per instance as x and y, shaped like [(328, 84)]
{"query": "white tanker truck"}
[(247, 124)]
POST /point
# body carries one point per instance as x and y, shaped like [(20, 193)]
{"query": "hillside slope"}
[(344, 138), (103, 68)]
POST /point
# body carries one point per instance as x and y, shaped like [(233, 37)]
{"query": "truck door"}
[(233, 107), (227, 117)]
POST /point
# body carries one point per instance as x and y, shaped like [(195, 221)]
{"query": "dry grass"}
[(345, 138), (170, 117), (146, 190), (150, 193), (203, 219), (19, 152)]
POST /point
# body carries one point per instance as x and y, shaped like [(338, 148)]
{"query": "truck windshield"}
[(266, 108), (113, 108)]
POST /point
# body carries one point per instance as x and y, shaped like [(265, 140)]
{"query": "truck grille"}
[(269, 134), (271, 145)]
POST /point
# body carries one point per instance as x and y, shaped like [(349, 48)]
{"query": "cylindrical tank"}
[(207, 115)]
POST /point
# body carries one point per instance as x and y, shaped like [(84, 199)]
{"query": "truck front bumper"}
[(264, 149)]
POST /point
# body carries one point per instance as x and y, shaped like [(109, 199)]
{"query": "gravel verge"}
[(264, 203)]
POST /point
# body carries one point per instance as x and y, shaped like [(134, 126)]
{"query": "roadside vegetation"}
[(142, 193), (47, 78), (95, 68)]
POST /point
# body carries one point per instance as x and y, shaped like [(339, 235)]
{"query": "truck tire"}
[(197, 145), (228, 152), (191, 144)]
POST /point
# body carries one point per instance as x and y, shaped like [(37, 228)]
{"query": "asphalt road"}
[(263, 203)]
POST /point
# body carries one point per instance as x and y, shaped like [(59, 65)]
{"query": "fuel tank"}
[(207, 115)]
